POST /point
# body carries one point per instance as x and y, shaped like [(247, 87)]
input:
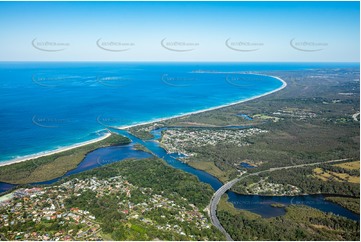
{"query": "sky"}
[(180, 31)]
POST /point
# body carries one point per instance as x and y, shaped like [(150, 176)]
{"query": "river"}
[(253, 203)]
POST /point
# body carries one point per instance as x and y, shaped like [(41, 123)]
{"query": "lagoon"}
[(254, 203)]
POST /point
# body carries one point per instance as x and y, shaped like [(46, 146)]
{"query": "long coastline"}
[(284, 84), (46, 153), (38, 155)]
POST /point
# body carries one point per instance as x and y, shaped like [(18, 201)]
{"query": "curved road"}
[(218, 194)]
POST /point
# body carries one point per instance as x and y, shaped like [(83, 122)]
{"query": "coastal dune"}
[(35, 156)]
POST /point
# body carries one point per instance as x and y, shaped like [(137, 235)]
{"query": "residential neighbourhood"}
[(41, 213), (266, 188), (180, 140)]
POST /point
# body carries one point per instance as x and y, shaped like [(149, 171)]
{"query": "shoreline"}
[(51, 152), (284, 84)]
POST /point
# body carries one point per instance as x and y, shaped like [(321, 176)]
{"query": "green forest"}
[(299, 223), (302, 178), (162, 179)]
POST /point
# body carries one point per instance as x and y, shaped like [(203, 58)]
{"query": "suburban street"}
[(218, 194)]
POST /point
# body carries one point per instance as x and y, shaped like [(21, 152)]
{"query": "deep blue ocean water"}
[(45, 106)]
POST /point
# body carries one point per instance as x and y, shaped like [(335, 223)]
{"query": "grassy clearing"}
[(335, 176), (346, 177), (324, 175), (354, 165), (266, 117), (210, 168), (226, 206)]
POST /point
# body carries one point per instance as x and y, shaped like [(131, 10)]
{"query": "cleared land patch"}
[(325, 175), (353, 165)]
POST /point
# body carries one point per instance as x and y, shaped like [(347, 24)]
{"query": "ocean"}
[(46, 106)]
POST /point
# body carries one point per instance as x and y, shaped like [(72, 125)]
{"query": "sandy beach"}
[(34, 156), (46, 153), (284, 84)]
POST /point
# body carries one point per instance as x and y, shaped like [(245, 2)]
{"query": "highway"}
[(218, 194), (213, 206)]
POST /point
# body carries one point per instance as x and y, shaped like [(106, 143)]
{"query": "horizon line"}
[(354, 62)]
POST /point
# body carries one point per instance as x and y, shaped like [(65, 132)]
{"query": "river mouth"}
[(96, 158), (262, 205)]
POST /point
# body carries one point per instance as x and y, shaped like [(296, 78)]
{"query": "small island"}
[(278, 205)]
